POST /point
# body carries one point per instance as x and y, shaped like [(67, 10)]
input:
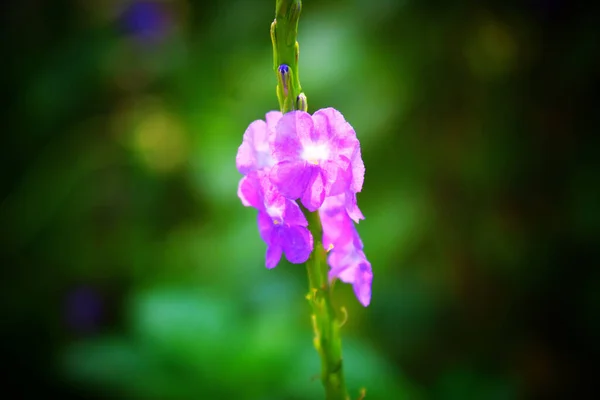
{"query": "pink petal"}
[(291, 178), (350, 265), (297, 243), (337, 174), (248, 192), (333, 230), (326, 121), (352, 207), (345, 141), (292, 131), (265, 226), (332, 126), (314, 195), (273, 255), (338, 230), (363, 281), (333, 205), (341, 261), (273, 118), (293, 215), (255, 139), (358, 171), (345, 275)]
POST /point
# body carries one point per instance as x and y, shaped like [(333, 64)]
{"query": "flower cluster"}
[(315, 159)]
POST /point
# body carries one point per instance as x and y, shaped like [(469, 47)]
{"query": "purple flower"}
[(346, 257), (316, 156), (84, 309), (149, 21), (316, 159), (281, 223)]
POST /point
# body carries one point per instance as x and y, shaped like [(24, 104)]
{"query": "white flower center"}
[(264, 159), (315, 153)]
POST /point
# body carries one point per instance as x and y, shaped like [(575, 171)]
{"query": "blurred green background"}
[(131, 270)]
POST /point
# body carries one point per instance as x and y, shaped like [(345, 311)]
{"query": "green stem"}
[(327, 341), (326, 326), (284, 32)]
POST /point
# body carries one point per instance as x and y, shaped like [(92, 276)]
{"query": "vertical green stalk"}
[(326, 325), (284, 31)]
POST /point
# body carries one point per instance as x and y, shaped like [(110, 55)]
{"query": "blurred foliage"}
[(131, 269)]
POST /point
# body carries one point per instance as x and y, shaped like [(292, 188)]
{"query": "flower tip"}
[(365, 300), (301, 102), (284, 78), (273, 256), (362, 284), (283, 69), (363, 293)]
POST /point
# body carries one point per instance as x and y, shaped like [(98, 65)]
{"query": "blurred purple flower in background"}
[(83, 309), (146, 20)]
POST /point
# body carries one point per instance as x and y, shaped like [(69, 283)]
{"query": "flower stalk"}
[(326, 324), (286, 51)]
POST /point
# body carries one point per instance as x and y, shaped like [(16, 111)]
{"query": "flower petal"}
[(358, 171), (254, 142), (337, 175), (363, 282), (343, 270), (293, 215), (265, 226), (272, 118), (333, 205), (350, 265), (326, 121), (291, 178), (292, 131), (273, 255), (331, 124), (352, 207), (314, 195), (338, 229), (248, 192), (297, 243)]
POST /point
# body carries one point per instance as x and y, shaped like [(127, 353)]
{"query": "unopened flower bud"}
[(301, 102), (284, 78)]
